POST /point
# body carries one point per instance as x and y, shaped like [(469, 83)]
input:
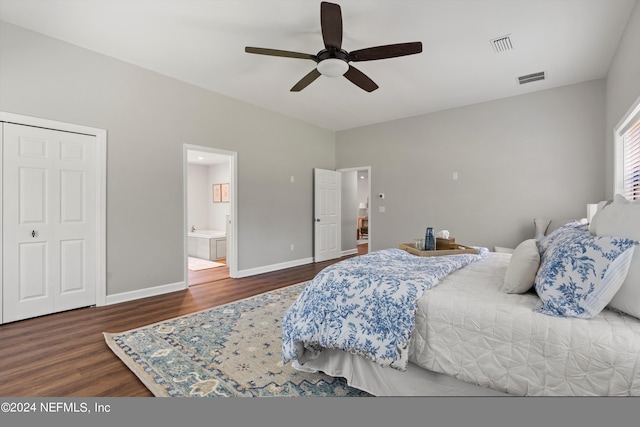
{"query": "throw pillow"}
[(622, 218), (545, 242), (522, 268), (579, 273), (594, 220)]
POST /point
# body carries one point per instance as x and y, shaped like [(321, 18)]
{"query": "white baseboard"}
[(144, 293), (273, 267), (349, 252), (179, 286)]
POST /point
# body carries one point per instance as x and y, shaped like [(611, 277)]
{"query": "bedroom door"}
[(49, 221), (327, 216)]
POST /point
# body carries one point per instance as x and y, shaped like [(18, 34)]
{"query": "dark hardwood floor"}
[(65, 355)]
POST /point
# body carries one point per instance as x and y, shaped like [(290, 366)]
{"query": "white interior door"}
[(327, 231), (49, 221)]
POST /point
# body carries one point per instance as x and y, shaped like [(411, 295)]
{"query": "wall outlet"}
[(381, 209)]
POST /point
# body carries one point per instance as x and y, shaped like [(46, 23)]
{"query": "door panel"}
[(33, 283), (72, 265), (72, 196)]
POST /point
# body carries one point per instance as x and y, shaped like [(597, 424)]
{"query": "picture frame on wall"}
[(217, 193), (224, 192)]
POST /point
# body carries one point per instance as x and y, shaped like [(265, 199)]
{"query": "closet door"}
[(49, 221)]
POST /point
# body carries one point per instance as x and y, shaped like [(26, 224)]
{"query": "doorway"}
[(210, 206), (356, 205)]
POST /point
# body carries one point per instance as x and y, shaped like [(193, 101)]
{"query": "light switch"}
[(455, 176)]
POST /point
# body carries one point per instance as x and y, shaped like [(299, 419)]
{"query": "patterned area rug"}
[(231, 350), (202, 264)]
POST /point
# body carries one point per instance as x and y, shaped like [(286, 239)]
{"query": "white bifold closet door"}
[(49, 221)]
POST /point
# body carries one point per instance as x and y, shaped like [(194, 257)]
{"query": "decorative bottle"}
[(429, 240)]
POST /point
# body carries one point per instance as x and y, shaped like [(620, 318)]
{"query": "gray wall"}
[(517, 158), (148, 118), (623, 86)]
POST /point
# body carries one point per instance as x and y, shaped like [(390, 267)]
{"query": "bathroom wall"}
[(197, 201), (202, 213), (217, 212)]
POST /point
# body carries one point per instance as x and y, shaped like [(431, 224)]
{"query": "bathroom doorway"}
[(210, 214)]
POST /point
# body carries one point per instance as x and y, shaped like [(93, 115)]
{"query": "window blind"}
[(631, 162)]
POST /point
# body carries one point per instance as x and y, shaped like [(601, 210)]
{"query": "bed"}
[(566, 324)]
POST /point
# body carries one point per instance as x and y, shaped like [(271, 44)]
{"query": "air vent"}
[(502, 44), (531, 78)]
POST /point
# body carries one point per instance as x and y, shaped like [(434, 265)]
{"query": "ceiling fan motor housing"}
[(332, 62)]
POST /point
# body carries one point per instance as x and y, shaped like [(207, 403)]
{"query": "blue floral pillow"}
[(546, 241), (579, 273)]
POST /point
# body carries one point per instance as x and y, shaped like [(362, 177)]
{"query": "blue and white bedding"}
[(468, 330), (365, 305)]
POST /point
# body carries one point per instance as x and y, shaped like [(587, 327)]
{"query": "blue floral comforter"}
[(365, 305)]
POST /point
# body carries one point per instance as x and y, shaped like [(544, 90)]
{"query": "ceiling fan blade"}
[(331, 24), (358, 78), (284, 53), (306, 80), (384, 52)]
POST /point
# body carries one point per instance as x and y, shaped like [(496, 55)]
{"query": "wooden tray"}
[(452, 249)]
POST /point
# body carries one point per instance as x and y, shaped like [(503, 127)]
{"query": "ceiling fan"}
[(333, 61)]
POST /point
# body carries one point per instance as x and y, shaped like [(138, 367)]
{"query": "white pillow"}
[(594, 220), (622, 218), (522, 268), (579, 273)]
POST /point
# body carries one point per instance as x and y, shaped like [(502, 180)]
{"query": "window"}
[(627, 142)]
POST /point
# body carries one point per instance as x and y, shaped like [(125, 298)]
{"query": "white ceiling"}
[(206, 158), (202, 42)]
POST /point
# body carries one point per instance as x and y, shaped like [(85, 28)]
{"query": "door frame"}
[(370, 220), (100, 191), (232, 241)]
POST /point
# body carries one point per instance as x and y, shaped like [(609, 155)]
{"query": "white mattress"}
[(475, 340)]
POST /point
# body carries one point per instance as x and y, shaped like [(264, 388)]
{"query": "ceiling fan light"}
[(333, 67)]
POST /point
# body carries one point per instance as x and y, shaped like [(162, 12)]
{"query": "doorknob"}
[(34, 233), (317, 219)]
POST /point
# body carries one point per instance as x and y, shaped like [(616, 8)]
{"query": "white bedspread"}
[(466, 328)]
